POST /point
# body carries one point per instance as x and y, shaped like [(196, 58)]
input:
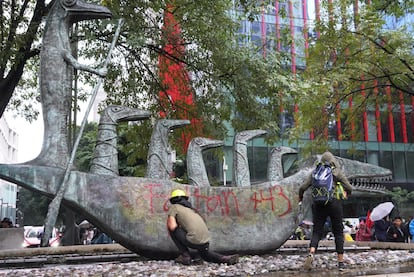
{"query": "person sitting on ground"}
[(188, 230), (395, 233)]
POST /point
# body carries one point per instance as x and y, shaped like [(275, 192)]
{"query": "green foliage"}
[(133, 143), (395, 8), (19, 36), (34, 207), (354, 59), (133, 140), (84, 153), (400, 195), (228, 82)]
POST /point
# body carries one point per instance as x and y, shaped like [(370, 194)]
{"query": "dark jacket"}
[(381, 227), (395, 234)]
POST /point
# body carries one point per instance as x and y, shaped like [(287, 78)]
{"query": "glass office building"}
[(8, 154)]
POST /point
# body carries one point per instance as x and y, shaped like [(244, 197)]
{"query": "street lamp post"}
[(224, 171)]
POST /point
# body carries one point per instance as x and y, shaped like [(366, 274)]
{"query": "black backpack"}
[(322, 184)]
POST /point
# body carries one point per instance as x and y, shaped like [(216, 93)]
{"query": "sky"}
[(30, 136), (30, 139)]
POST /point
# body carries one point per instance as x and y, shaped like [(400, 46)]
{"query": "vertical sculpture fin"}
[(241, 171), (196, 170)]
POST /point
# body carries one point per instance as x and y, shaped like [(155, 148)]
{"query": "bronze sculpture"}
[(244, 218)]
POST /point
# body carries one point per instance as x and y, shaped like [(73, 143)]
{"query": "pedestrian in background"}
[(395, 232), (409, 229), (380, 227), (6, 223), (364, 232)]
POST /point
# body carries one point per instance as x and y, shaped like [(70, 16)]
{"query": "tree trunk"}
[(8, 84)]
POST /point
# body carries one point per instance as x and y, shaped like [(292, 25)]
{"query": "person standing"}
[(380, 229), (395, 232), (407, 231), (188, 230), (332, 209)]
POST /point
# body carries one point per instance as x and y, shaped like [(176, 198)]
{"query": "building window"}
[(386, 159), (258, 161), (286, 122), (410, 125), (372, 157), (385, 129), (399, 166), (398, 127), (410, 166)]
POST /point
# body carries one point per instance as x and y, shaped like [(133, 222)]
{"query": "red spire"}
[(176, 98)]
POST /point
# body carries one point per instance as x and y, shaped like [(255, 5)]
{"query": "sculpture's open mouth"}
[(363, 176), (371, 184)]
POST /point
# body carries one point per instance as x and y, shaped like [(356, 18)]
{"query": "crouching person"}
[(188, 230)]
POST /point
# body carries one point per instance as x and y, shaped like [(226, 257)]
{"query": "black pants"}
[(320, 214), (180, 240)]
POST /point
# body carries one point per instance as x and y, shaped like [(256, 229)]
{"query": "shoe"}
[(231, 259), (197, 261), (341, 266), (184, 259), (308, 262)]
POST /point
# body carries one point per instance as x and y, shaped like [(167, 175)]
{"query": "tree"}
[(133, 144), (401, 196), (355, 59), (229, 81), (20, 28), (86, 147), (221, 71), (224, 75)]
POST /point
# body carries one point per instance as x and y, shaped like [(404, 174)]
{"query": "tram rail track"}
[(76, 254), (89, 254)]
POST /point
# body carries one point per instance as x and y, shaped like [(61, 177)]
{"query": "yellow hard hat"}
[(178, 192)]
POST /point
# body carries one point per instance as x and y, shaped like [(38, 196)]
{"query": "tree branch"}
[(382, 46)]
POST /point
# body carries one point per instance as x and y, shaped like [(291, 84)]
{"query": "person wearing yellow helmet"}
[(188, 230), (177, 193)]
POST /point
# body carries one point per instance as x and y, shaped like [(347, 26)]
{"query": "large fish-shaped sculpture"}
[(133, 210), (254, 219), (245, 218)]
